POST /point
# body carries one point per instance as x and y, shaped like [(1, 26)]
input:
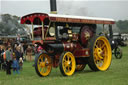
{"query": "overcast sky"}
[(116, 9)]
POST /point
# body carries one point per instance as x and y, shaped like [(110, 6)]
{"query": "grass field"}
[(117, 74)]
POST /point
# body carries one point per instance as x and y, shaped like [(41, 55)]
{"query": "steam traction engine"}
[(69, 42)]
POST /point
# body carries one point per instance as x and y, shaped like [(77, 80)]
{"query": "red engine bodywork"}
[(76, 49)]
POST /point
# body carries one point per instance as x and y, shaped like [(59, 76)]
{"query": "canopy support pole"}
[(42, 30), (32, 31), (103, 29)]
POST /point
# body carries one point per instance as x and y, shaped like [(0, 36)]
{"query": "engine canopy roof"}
[(37, 18)]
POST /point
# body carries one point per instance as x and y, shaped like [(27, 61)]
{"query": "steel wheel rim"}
[(44, 64), (68, 63), (102, 53)]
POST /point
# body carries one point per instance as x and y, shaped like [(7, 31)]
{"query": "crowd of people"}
[(12, 57)]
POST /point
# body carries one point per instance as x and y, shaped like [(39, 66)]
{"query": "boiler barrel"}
[(54, 48), (60, 47)]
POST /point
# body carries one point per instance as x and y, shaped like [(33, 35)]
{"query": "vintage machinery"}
[(69, 42), (117, 42)]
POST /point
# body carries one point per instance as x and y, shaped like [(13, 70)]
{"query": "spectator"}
[(1, 57), (4, 65), (21, 63), (24, 48), (29, 53), (15, 66), (18, 53), (39, 49), (14, 48), (36, 53), (21, 50), (8, 60)]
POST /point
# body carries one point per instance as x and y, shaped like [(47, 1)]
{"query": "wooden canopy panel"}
[(35, 18), (80, 19)]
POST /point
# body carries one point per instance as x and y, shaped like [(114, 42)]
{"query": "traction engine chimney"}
[(53, 7)]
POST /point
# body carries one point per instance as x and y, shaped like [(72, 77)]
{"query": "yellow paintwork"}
[(68, 63), (44, 64), (102, 53)]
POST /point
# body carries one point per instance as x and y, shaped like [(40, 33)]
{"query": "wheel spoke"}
[(96, 57), (64, 68), (41, 59), (96, 46), (103, 46), (68, 69), (68, 58), (100, 44), (118, 53), (42, 70), (65, 64)]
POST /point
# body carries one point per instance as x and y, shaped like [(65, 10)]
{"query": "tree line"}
[(10, 25), (122, 25)]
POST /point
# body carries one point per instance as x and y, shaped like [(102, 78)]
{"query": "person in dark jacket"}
[(18, 53), (1, 57), (8, 60)]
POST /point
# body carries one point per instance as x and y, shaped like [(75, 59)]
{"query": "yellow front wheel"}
[(67, 64), (43, 65), (100, 53)]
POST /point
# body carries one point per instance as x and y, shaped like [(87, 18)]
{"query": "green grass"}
[(117, 74)]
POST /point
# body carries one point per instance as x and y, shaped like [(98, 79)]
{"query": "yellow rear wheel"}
[(67, 64), (80, 67), (101, 54), (43, 65)]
